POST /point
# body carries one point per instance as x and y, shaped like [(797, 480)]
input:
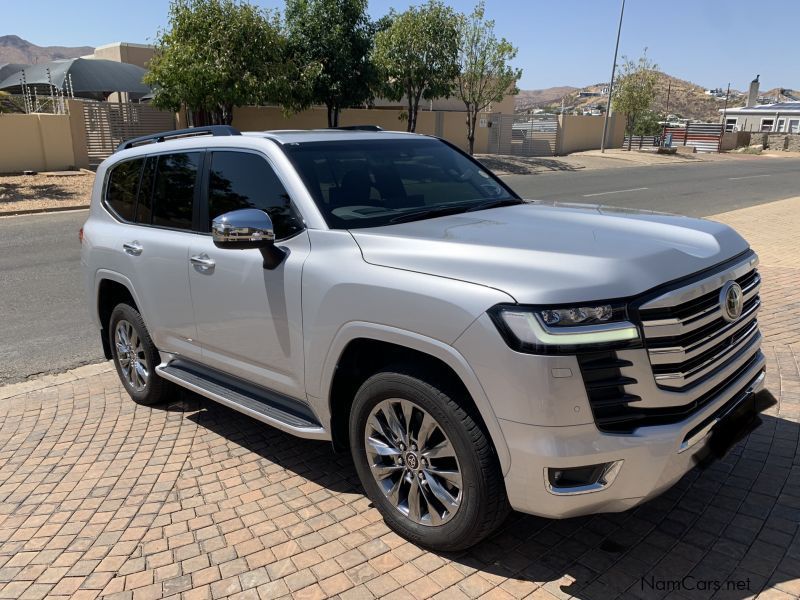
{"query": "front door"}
[(249, 318)]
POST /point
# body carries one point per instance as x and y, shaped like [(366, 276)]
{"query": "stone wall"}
[(777, 141)]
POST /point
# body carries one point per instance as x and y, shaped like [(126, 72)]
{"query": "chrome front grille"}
[(686, 336)]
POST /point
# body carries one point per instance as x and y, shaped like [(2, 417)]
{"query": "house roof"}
[(777, 107), (87, 76)]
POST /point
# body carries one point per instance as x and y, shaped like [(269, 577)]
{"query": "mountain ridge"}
[(14, 49)]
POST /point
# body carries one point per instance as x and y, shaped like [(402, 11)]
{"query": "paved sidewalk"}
[(102, 497)]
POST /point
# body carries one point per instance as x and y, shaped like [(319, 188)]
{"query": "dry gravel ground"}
[(44, 191)]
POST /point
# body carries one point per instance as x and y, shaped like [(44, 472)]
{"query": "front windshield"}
[(368, 183)]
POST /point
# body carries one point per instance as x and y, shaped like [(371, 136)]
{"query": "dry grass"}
[(41, 191)]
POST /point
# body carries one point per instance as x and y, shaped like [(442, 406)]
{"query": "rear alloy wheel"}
[(135, 357), (424, 459), (131, 356)]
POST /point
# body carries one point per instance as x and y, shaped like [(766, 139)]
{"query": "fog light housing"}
[(581, 480)]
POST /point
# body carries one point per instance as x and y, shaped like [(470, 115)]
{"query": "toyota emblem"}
[(731, 301)]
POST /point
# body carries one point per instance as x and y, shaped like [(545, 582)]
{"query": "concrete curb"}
[(36, 211), (46, 381)]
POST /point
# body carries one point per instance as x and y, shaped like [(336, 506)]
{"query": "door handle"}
[(133, 248), (202, 261)]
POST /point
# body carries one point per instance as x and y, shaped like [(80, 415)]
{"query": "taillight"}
[(80, 235)]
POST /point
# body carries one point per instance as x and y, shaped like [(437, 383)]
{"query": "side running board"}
[(269, 407)]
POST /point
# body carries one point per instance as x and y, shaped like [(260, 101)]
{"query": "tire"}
[(145, 387), (481, 504)]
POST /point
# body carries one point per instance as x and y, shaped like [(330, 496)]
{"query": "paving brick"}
[(101, 496)]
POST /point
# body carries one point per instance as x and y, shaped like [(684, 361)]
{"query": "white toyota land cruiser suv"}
[(474, 352)]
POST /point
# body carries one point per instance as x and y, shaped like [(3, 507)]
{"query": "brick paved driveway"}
[(99, 496)]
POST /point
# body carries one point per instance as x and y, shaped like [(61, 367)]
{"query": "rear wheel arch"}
[(110, 293), (363, 357)]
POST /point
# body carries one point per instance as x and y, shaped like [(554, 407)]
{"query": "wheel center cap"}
[(412, 461)]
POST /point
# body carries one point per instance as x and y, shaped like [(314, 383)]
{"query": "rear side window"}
[(144, 208), (123, 185), (173, 189), (246, 180)]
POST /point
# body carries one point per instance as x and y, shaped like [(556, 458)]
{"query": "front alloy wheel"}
[(424, 459), (413, 462)]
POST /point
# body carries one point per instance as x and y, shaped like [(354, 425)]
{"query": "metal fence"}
[(108, 124), (641, 141), (705, 137), (524, 135)]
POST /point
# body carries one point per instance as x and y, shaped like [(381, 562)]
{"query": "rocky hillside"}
[(528, 99), (686, 99), (13, 49)]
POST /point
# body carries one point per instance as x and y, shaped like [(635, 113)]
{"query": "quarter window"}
[(246, 180), (173, 191), (123, 184)]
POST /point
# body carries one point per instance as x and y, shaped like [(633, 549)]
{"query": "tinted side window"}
[(123, 184), (144, 206), (173, 192), (245, 180)]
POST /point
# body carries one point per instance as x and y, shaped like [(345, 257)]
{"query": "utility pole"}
[(666, 114), (611, 85), (725, 110)]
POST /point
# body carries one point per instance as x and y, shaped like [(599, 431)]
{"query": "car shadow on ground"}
[(728, 530), (525, 165)]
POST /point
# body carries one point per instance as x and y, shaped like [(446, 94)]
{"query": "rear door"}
[(157, 248), (249, 320)]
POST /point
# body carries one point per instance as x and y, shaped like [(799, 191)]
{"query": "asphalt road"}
[(698, 189), (44, 323)]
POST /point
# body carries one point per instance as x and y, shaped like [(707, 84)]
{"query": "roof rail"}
[(154, 138), (360, 128)]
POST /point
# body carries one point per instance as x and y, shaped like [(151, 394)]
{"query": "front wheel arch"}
[(362, 357)]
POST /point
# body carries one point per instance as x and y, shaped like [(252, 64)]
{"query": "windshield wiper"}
[(495, 204), (442, 211), (439, 211)]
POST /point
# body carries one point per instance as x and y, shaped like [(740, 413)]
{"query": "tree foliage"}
[(418, 55), (217, 54), (648, 123), (484, 75), (635, 90), (330, 41)]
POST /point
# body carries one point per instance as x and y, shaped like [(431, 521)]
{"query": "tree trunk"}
[(333, 114), (472, 116), (227, 115), (413, 123), (410, 125)]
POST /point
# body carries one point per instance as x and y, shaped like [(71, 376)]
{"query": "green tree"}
[(418, 55), (484, 73), (635, 90), (331, 40), (648, 123), (217, 54)]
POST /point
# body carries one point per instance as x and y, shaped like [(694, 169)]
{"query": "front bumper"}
[(650, 460)]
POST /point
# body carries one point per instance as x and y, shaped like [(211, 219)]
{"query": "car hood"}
[(540, 253)]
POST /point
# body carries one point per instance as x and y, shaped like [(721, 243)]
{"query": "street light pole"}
[(611, 85)]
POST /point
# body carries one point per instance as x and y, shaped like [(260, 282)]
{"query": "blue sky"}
[(709, 42)]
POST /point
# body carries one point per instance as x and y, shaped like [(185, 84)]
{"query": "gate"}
[(524, 135), (108, 124), (705, 137)]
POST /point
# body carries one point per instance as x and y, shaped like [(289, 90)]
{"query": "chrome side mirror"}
[(247, 228)]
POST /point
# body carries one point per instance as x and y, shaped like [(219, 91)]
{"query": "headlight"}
[(545, 330)]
